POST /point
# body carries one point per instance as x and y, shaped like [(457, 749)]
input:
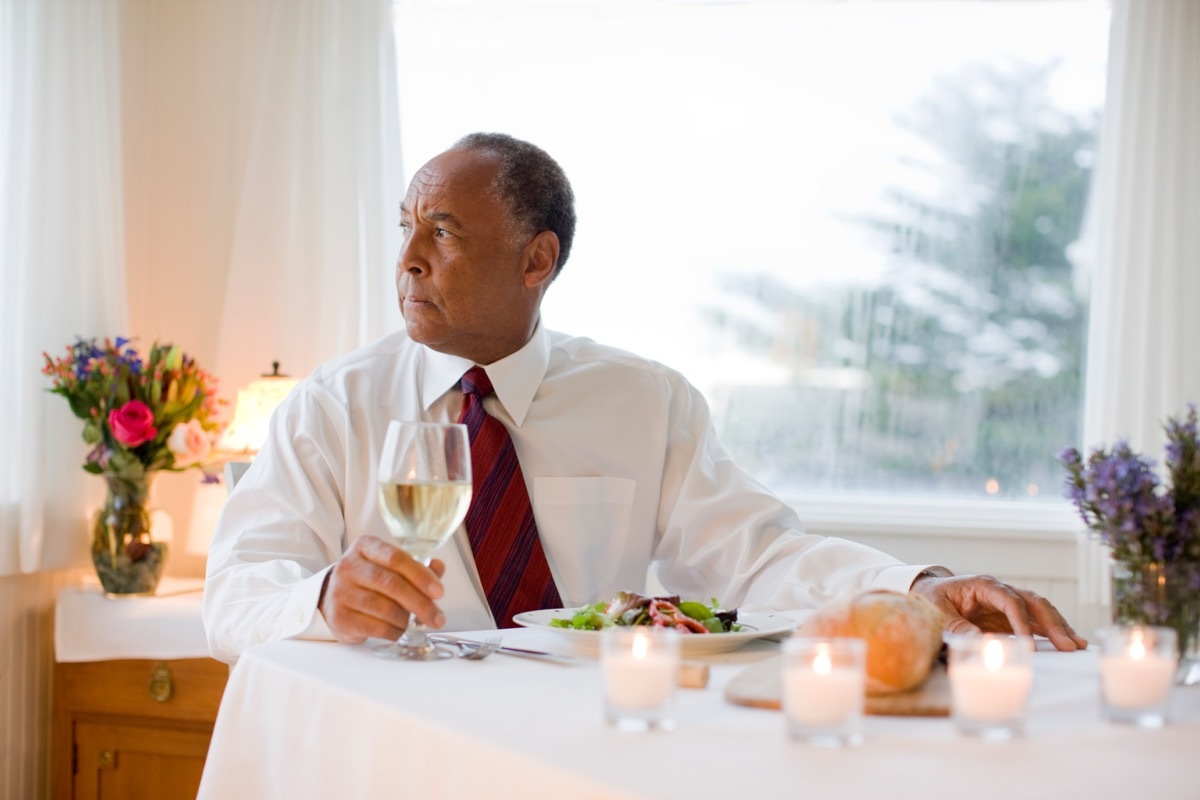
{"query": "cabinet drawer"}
[(184, 689)]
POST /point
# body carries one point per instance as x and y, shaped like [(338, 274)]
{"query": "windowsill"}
[(930, 516)]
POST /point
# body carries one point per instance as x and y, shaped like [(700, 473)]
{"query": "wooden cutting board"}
[(759, 686)]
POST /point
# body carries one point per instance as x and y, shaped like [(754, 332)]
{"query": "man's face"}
[(460, 274)]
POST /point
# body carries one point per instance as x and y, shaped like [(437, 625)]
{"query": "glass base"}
[(990, 730), (406, 652), (639, 723), (1141, 717), (844, 733), (1188, 673), (827, 739)]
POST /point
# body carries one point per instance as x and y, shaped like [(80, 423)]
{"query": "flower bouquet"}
[(1152, 530), (141, 416)]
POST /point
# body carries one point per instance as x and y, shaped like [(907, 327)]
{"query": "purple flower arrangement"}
[(1121, 498), (1152, 529)]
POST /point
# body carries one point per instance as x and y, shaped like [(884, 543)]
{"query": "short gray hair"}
[(531, 185)]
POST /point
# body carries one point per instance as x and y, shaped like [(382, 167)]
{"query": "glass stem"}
[(414, 633)]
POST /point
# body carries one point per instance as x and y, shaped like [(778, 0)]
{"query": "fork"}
[(477, 651)]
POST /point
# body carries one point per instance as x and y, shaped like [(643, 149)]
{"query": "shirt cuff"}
[(303, 608), (901, 578)]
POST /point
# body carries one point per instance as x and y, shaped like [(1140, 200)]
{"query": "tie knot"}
[(476, 381)]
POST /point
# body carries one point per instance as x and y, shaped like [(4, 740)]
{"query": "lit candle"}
[(1137, 665), (990, 679), (823, 682), (820, 694), (641, 672)]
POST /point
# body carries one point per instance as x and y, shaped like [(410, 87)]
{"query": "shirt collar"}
[(515, 377)]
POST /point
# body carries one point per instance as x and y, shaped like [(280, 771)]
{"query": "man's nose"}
[(412, 256)]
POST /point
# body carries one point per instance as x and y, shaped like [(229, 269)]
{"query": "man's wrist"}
[(922, 575)]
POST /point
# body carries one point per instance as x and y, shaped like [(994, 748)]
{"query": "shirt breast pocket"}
[(584, 525)]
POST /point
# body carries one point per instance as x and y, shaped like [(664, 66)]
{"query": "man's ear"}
[(542, 258)]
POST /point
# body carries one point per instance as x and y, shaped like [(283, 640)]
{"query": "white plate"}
[(754, 626)]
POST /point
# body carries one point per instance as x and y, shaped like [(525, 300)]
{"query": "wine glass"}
[(424, 492)]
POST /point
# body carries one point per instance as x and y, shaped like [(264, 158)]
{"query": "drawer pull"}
[(161, 684), (107, 759)]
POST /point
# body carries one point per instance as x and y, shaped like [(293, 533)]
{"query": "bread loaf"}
[(903, 634)]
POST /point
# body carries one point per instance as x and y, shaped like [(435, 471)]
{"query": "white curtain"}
[(61, 257), (306, 234), (316, 235), (1144, 235)]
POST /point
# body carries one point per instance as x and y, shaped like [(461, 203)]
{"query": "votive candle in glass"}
[(990, 679), (1137, 666), (823, 684), (640, 666)]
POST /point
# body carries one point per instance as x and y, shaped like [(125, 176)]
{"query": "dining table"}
[(310, 719)]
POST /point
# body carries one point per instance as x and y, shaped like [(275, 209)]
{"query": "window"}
[(850, 225)]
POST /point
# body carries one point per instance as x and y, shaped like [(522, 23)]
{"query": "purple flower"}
[(99, 456), (1120, 496), (1179, 435)]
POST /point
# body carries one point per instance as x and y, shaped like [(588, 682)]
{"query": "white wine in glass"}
[(424, 492)]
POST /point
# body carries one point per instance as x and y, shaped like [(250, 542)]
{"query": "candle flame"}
[(822, 664), (640, 645), (993, 655), (1137, 648)]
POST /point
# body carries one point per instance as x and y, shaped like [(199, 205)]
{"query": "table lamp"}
[(247, 431), (245, 434)]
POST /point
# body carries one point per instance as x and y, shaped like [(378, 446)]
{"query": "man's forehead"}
[(450, 173)]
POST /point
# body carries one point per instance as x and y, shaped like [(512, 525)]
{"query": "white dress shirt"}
[(623, 468)]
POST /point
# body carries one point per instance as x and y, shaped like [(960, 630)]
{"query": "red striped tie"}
[(500, 524)]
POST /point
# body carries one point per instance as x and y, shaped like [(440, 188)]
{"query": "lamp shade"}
[(247, 431)]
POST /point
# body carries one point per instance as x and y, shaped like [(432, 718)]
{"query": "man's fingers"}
[(957, 624), (395, 560), (1051, 624), (373, 588), (973, 603)]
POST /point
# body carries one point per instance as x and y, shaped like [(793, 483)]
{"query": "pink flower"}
[(132, 424), (190, 443)]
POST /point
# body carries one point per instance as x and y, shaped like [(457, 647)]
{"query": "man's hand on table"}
[(974, 603), (372, 588)]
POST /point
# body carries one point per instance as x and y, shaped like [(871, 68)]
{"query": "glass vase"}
[(1160, 593), (127, 560)]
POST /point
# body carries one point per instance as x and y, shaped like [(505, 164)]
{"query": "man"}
[(618, 454)]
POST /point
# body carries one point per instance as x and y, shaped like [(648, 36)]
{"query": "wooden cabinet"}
[(133, 729)]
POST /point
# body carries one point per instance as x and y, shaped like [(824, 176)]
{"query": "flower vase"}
[(127, 561), (1160, 593)]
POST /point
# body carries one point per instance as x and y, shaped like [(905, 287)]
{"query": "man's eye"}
[(405, 227), (441, 233)]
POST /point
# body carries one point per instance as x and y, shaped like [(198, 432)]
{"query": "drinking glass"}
[(424, 491), (824, 685)]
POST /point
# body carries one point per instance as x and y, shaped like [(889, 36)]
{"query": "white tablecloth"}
[(319, 720), (91, 627)]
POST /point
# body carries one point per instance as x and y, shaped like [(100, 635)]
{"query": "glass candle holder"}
[(640, 666), (990, 678), (824, 684), (1137, 664)]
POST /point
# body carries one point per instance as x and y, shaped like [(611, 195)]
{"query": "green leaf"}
[(695, 610)]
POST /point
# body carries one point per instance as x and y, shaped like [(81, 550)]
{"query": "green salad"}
[(631, 608)]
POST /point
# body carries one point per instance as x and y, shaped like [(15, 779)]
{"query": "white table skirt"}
[(308, 719)]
